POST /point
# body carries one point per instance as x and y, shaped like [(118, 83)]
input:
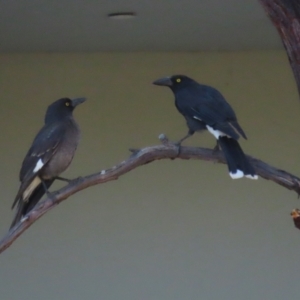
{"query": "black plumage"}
[(204, 108), (50, 154)]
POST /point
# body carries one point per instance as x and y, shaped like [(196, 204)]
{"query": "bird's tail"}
[(238, 164), (18, 214), (26, 206)]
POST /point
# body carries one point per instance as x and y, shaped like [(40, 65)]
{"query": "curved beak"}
[(166, 81), (77, 101)]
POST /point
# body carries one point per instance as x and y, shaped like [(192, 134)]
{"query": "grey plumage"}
[(50, 154)]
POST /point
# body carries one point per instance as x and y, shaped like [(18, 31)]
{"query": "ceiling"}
[(160, 25)]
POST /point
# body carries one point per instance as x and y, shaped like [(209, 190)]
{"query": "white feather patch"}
[(38, 166), (34, 183), (215, 133), (197, 118), (255, 177), (238, 174)]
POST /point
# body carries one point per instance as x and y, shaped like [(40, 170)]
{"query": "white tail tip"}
[(238, 174), (254, 177)]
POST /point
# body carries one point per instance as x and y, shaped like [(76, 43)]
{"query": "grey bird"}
[(50, 154)]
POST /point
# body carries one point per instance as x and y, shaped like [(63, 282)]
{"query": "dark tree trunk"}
[(285, 15)]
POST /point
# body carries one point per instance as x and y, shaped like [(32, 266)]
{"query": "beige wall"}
[(169, 230)]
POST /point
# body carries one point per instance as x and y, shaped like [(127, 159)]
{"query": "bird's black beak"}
[(166, 81), (77, 101)]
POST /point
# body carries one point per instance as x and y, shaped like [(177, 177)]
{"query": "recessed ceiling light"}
[(122, 15)]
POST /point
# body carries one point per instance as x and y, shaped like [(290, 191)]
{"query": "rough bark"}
[(138, 158), (285, 15)]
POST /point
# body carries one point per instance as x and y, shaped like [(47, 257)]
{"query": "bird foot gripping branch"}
[(166, 142)]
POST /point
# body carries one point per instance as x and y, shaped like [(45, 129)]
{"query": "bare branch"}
[(138, 158)]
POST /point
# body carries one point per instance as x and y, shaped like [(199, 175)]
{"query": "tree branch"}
[(285, 15), (138, 158)]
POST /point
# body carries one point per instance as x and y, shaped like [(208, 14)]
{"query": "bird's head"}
[(174, 82), (61, 108)]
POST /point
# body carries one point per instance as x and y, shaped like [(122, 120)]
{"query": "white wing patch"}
[(195, 117), (238, 174), (34, 183), (38, 166), (215, 133)]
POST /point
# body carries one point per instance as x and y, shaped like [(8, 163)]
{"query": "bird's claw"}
[(78, 180), (52, 197), (177, 145)]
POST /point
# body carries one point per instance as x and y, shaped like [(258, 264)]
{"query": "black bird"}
[(205, 108), (50, 154)]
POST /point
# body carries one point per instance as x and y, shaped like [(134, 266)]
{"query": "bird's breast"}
[(64, 154)]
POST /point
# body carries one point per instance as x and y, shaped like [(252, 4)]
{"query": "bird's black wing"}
[(43, 148), (208, 105)]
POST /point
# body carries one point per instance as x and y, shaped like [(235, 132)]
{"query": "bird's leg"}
[(216, 148), (51, 196), (184, 138), (63, 179), (46, 188), (178, 144)]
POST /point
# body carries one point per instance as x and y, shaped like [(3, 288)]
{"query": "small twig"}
[(139, 158), (164, 139)]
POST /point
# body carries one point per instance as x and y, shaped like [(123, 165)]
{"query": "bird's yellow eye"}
[(67, 103), (178, 80)]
